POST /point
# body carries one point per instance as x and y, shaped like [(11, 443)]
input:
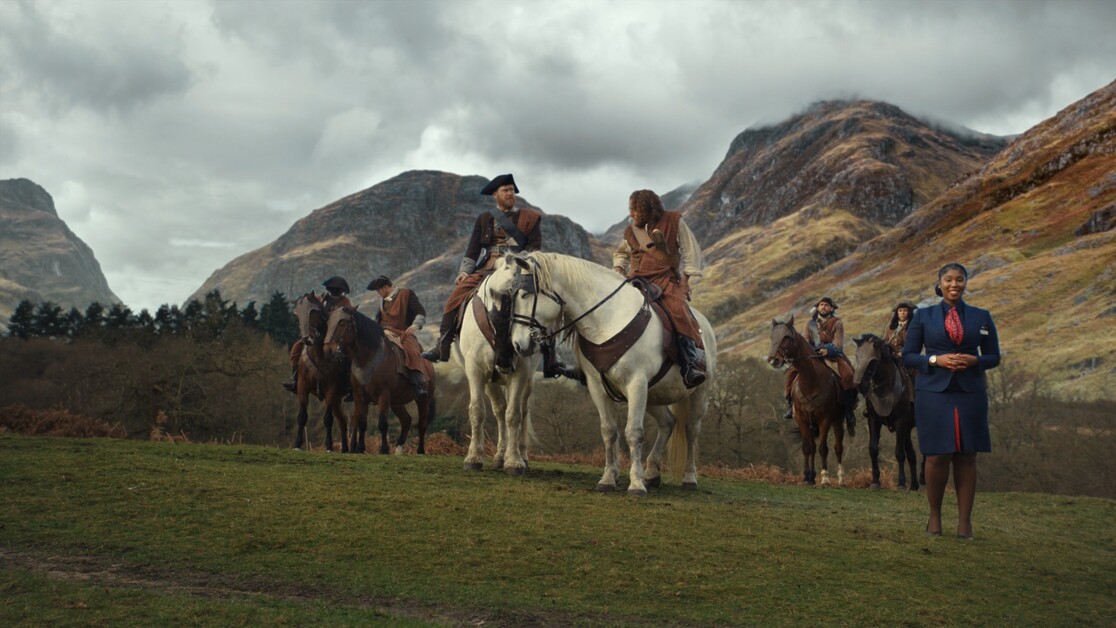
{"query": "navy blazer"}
[(928, 330)]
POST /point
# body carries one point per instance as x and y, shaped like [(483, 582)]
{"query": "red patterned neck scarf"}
[(953, 326)]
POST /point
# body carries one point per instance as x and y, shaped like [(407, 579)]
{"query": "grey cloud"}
[(113, 72)]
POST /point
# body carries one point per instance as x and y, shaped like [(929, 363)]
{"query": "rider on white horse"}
[(660, 248), (502, 229)]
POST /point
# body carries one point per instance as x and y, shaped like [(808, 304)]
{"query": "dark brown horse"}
[(816, 398), (886, 387), (319, 373), (377, 377)]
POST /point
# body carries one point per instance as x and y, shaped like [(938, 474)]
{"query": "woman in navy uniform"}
[(951, 400)]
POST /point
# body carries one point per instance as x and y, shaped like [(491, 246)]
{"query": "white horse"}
[(508, 388), (548, 291)]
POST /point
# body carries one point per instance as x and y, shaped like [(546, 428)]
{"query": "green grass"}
[(218, 535)]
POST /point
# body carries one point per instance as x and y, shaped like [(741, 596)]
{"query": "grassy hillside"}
[(105, 531)]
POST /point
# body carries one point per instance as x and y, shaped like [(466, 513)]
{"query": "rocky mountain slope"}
[(1035, 227), (792, 198), (412, 228), (40, 258)]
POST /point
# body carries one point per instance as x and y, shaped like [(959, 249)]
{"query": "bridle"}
[(779, 353), (528, 282)]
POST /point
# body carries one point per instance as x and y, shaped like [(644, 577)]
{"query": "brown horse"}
[(886, 387), (377, 377), (320, 374), (816, 398)]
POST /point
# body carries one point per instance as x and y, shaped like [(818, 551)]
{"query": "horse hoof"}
[(605, 488), (514, 470), (874, 485), (689, 486), (654, 482), (637, 492), (474, 466)]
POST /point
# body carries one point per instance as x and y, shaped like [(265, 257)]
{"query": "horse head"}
[(340, 330), (870, 350), (521, 316), (311, 315), (782, 343)]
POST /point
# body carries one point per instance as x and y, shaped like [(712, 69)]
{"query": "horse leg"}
[(823, 450), (327, 421), (874, 425), (300, 436), (653, 468), (609, 434), (382, 406), (839, 451), (474, 458), (425, 408), (525, 412), (906, 445), (633, 432), (339, 416), (808, 446), (497, 398), (516, 390), (400, 411), (359, 424)]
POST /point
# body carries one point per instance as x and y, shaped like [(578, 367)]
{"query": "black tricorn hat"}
[(336, 283), (907, 304), (499, 182), (826, 300), (379, 282)]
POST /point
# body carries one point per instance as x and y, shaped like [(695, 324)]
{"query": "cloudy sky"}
[(176, 135)]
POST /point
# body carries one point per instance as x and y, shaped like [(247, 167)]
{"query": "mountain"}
[(40, 258), (413, 228), (1035, 227), (792, 198)]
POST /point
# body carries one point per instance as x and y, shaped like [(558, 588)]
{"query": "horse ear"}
[(520, 262), (859, 340), (790, 321)]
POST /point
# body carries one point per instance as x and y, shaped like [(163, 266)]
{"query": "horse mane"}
[(576, 269), (368, 331)]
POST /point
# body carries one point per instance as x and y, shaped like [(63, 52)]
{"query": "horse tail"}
[(678, 447)]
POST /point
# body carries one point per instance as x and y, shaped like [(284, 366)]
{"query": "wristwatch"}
[(934, 360)]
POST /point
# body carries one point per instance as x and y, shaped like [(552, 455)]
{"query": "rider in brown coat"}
[(659, 247), (401, 314), (826, 333), (503, 229)]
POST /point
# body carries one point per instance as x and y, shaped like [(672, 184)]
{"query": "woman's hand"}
[(957, 361)]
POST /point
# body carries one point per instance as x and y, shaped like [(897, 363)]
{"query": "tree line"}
[(209, 317)]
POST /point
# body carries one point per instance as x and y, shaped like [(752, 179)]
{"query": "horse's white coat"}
[(509, 395), (581, 285)]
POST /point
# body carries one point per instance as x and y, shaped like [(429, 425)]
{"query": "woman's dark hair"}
[(943, 270)]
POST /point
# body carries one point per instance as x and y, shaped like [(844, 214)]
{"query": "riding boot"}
[(850, 411), (692, 375), (552, 367), (790, 409), (441, 351), (417, 382), (292, 383)]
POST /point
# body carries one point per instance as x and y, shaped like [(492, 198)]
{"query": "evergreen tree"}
[(277, 320), (48, 320), (22, 322), (74, 320), (144, 320), (94, 315), (168, 320), (249, 316), (193, 315), (119, 316)]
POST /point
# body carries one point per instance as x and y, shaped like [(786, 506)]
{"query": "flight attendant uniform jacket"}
[(951, 409)]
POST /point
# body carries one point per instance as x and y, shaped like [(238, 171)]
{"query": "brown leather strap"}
[(481, 315), (603, 356)]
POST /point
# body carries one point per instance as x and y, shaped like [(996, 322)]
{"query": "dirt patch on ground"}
[(105, 572)]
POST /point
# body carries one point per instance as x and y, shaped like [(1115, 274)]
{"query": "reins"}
[(539, 332)]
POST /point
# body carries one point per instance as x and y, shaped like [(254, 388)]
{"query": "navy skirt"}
[(952, 421)]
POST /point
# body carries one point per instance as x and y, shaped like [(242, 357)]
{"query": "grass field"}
[(102, 531)]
